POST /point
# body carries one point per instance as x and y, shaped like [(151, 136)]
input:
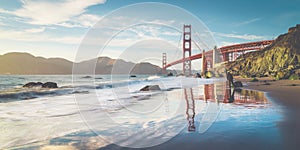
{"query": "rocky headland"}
[(280, 60)]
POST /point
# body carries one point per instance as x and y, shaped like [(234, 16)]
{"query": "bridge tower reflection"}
[(219, 93), (190, 109)]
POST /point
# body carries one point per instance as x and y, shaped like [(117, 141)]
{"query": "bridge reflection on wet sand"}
[(218, 94)]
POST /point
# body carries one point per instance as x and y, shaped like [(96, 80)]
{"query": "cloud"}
[(1, 21), (82, 21), (34, 35), (243, 37), (162, 22), (54, 12), (88, 20), (146, 31), (123, 39), (248, 22), (35, 30), (69, 24), (4, 11)]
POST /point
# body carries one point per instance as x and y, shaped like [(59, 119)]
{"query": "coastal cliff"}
[(280, 60)]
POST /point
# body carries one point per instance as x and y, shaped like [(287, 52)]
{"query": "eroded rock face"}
[(279, 60), (150, 88)]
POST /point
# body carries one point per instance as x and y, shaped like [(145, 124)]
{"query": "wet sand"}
[(287, 94), (284, 93)]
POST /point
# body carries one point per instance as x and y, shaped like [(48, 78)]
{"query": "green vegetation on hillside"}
[(281, 60)]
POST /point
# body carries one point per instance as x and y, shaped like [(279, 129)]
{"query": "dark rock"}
[(150, 88), (50, 85), (33, 84), (86, 77), (254, 80), (238, 84), (99, 78), (80, 92), (133, 76), (197, 75), (170, 74)]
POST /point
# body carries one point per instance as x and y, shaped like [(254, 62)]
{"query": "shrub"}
[(294, 77)]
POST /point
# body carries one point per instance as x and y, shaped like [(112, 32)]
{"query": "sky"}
[(59, 28)]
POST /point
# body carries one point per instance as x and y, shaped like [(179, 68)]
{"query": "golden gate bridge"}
[(226, 53)]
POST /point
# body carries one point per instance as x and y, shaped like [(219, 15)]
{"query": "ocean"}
[(11, 85), (92, 112)]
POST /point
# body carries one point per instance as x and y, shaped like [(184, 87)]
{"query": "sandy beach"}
[(268, 121), (287, 94)]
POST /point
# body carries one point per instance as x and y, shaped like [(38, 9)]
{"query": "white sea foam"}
[(153, 77)]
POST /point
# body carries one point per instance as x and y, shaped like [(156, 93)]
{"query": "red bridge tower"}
[(187, 46), (164, 63)]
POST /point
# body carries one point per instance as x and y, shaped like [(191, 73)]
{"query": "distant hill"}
[(24, 63), (280, 60), (27, 64)]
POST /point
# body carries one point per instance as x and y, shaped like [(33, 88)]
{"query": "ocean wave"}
[(153, 77), (21, 93), (25, 94), (134, 85)]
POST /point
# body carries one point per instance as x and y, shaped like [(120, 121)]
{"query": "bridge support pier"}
[(226, 57), (164, 63), (204, 64)]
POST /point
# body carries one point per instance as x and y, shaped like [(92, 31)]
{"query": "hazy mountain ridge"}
[(27, 64)]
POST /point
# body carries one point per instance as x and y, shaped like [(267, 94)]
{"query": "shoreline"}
[(285, 93), (284, 130)]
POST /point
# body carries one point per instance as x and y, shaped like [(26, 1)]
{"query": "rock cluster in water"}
[(40, 84), (280, 60)]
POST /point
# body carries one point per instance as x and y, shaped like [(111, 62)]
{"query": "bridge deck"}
[(228, 49)]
